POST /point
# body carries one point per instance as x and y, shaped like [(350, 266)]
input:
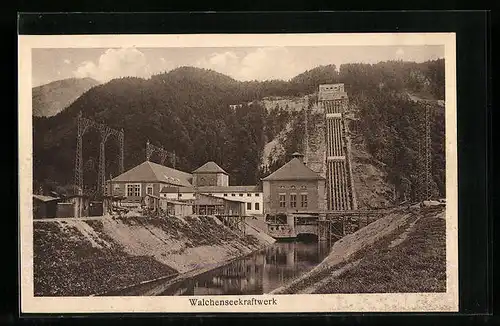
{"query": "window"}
[(149, 190), (249, 206), (249, 195), (233, 195), (225, 195), (293, 200), (303, 200), (257, 206), (241, 195), (134, 190), (282, 200), (180, 195), (257, 195)]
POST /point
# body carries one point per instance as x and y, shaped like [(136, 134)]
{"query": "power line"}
[(164, 155), (83, 125)]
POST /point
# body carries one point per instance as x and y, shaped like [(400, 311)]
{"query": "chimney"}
[(298, 156)]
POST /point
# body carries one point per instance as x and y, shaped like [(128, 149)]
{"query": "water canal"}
[(258, 273)]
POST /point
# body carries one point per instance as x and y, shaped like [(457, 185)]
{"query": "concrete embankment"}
[(401, 252), (93, 256)]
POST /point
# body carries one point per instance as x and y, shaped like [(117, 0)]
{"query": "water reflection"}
[(259, 273)]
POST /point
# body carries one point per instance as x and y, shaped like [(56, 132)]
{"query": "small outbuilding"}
[(211, 205), (151, 202), (176, 208), (44, 206), (75, 205)]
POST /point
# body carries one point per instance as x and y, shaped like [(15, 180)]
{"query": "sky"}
[(243, 63)]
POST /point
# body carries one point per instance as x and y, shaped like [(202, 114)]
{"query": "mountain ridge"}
[(51, 98), (188, 110)]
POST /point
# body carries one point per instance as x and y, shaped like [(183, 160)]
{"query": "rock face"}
[(370, 178), (52, 98)]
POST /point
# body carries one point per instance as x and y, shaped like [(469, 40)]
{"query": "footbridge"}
[(326, 225)]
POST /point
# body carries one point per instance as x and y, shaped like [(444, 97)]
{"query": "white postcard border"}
[(407, 302)]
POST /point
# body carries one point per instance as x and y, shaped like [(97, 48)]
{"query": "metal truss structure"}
[(83, 125)]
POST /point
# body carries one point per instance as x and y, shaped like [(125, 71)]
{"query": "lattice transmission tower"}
[(163, 154), (83, 125), (424, 190)]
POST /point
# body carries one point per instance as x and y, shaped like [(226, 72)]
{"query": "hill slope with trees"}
[(188, 111)]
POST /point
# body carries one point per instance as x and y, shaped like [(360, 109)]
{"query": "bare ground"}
[(86, 257)]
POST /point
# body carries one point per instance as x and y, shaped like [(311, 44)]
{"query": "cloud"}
[(260, 64), (67, 61), (400, 53), (123, 62)]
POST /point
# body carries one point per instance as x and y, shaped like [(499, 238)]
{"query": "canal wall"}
[(405, 252), (98, 255), (344, 250)]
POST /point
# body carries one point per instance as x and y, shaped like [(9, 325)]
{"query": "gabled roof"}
[(209, 167), (293, 170), (152, 172)]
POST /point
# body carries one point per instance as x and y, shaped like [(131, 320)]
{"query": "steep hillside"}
[(52, 98), (96, 255), (404, 252), (370, 177), (188, 110)]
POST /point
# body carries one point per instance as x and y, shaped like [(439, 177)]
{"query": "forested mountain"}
[(52, 98), (187, 110)]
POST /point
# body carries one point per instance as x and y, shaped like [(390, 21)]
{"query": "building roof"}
[(210, 189), (219, 199), (228, 189), (210, 167), (152, 172), (234, 200), (293, 170), (176, 202), (45, 198), (174, 190)]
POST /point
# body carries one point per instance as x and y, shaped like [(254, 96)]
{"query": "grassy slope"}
[(65, 264), (416, 264), (95, 256)]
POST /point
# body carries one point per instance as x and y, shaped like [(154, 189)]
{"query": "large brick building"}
[(293, 188), (149, 178)]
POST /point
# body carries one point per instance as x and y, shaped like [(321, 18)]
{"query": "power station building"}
[(153, 179), (292, 188)]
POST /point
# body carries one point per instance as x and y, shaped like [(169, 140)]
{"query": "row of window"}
[(134, 190), (249, 206), (293, 200), (293, 187), (241, 195)]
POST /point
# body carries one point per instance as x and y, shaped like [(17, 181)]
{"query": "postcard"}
[(238, 173)]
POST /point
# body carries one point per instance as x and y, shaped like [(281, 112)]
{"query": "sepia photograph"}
[(252, 173)]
